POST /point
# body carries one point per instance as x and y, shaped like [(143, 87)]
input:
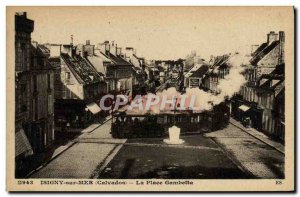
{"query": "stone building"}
[(109, 60), (78, 88), (193, 78), (218, 69), (260, 102), (139, 70), (34, 93), (23, 29), (42, 99)]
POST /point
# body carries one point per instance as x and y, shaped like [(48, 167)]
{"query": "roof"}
[(44, 49), (118, 60), (274, 80), (220, 60), (262, 51), (139, 58), (41, 53), (277, 73), (260, 48), (22, 145), (161, 69), (81, 69), (97, 62), (200, 71)]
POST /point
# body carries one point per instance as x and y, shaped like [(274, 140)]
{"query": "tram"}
[(133, 125)]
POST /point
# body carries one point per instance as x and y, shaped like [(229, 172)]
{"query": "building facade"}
[(194, 77), (218, 69), (260, 102), (78, 88), (117, 71), (34, 93)]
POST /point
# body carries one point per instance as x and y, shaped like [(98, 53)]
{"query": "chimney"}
[(129, 51), (79, 49), (254, 48), (71, 40), (119, 51), (55, 50), (272, 36), (106, 47), (88, 49), (68, 49), (113, 49), (24, 14), (34, 43), (281, 47)]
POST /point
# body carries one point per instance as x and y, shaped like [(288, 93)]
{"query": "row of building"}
[(260, 102), (59, 86)]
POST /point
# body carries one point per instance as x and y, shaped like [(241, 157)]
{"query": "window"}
[(34, 83), (49, 81), (68, 76), (32, 61), (45, 138), (35, 109), (23, 57), (50, 106), (23, 89), (23, 98)]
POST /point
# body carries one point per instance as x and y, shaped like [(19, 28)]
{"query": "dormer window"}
[(91, 77), (68, 76)]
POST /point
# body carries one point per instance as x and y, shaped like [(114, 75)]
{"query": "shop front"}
[(74, 115), (247, 113)]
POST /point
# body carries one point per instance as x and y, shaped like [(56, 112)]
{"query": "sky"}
[(159, 32)]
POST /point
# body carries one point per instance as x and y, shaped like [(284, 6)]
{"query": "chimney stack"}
[(88, 42), (272, 36), (71, 40), (68, 49), (129, 51), (119, 51), (281, 47), (55, 50), (24, 14), (107, 47)]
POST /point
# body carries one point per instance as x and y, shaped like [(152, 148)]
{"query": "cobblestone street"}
[(227, 153)]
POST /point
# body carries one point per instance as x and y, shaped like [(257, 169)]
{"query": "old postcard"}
[(150, 98)]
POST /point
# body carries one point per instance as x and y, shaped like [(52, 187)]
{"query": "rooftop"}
[(262, 51), (118, 60), (81, 69)]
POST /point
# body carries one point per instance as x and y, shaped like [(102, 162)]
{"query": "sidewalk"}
[(259, 135), (251, 150), (39, 160)]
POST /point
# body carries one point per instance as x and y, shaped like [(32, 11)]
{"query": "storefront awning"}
[(244, 108), (93, 107), (22, 144)]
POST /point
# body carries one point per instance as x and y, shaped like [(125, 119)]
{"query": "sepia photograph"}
[(150, 98)]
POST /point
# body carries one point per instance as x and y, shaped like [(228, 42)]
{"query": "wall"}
[(268, 63), (67, 89)]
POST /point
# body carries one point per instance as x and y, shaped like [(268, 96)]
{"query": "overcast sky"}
[(156, 32)]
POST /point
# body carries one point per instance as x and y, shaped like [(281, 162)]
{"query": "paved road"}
[(227, 153)]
